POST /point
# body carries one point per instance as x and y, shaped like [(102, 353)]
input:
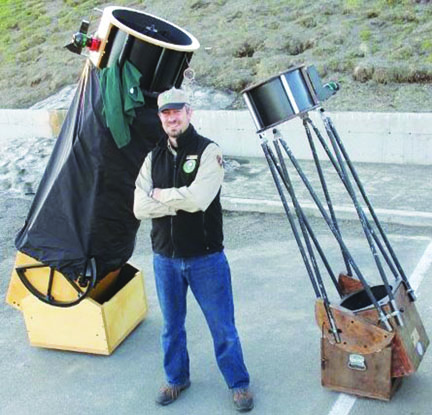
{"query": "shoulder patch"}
[(219, 160)]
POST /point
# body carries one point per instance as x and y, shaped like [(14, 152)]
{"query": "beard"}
[(175, 134), (174, 131)]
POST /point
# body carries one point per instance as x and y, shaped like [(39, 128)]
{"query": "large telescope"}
[(372, 336), (80, 231)]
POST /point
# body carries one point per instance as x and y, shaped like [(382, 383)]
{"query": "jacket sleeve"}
[(206, 185), (144, 205)]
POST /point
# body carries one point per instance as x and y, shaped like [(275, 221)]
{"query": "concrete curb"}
[(394, 217)]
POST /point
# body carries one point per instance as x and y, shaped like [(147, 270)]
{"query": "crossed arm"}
[(154, 202)]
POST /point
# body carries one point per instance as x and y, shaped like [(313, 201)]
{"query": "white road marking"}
[(422, 268), (344, 403)]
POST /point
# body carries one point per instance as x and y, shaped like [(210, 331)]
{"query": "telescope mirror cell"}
[(360, 300)]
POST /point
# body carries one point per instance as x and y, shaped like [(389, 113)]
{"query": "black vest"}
[(186, 234)]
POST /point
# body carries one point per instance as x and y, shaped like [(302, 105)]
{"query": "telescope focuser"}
[(81, 40), (325, 91)]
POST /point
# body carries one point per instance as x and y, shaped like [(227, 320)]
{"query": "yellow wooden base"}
[(98, 324)]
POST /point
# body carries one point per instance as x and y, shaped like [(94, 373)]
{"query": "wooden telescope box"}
[(370, 361), (97, 324)]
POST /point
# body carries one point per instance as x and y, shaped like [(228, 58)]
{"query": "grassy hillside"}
[(379, 50)]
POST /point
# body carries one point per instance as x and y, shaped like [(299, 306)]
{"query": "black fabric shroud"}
[(83, 207)]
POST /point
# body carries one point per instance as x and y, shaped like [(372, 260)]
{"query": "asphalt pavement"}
[(274, 309)]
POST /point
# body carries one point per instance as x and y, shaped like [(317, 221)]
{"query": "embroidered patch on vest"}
[(189, 166)]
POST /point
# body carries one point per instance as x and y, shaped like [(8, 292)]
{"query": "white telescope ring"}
[(181, 48)]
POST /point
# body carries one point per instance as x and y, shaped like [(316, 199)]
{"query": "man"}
[(178, 187)]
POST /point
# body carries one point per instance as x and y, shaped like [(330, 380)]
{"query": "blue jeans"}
[(209, 278)]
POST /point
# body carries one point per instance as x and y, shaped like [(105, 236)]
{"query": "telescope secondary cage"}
[(160, 49), (285, 96)]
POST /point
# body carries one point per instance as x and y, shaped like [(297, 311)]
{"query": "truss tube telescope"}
[(80, 232), (366, 348)]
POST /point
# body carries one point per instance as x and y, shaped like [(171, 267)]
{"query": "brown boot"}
[(243, 399), (169, 393)]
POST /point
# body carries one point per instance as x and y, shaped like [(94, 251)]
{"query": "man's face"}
[(175, 122)]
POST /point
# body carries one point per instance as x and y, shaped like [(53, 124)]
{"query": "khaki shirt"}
[(193, 198)]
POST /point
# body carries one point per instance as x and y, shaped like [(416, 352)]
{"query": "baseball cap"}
[(172, 99)]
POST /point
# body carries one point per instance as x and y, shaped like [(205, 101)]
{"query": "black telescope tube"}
[(312, 234), (303, 221), (371, 209), (367, 229), (283, 171), (325, 190), (343, 179), (369, 292), (273, 171)]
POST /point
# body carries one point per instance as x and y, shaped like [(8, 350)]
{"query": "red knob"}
[(95, 44)]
